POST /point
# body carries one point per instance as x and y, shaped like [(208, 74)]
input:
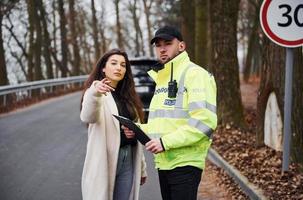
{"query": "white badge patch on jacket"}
[(169, 102)]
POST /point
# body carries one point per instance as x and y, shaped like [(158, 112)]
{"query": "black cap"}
[(167, 33)]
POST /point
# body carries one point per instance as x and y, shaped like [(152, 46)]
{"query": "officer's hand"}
[(154, 146), (128, 133)]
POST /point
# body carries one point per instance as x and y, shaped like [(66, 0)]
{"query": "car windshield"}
[(144, 84), (140, 67)]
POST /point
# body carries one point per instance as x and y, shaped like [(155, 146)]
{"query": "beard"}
[(167, 59)]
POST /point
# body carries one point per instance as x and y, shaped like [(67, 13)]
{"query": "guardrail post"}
[(4, 100), (17, 95)]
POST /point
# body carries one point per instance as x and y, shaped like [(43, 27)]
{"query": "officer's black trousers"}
[(180, 183)]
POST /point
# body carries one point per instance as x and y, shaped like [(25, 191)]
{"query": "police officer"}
[(182, 117)]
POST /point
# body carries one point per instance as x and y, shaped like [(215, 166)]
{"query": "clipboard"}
[(140, 135)]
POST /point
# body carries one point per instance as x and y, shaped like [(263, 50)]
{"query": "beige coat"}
[(99, 172)]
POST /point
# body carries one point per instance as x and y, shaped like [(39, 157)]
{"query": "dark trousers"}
[(180, 183)]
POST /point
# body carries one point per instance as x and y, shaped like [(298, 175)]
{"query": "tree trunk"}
[(209, 42), (225, 62), (3, 72), (138, 33), (149, 31), (86, 61), (63, 31), (95, 31), (30, 63), (74, 35), (252, 45), (4, 9), (272, 80), (38, 43), (141, 39), (297, 108), (103, 41), (102, 26), (138, 28), (118, 26), (188, 26), (132, 8), (201, 29), (54, 33), (46, 43)]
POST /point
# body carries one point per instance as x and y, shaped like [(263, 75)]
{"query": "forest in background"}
[(60, 38)]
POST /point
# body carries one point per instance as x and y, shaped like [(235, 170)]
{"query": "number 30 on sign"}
[(282, 21)]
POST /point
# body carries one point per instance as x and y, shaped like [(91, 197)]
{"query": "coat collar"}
[(182, 57), (177, 62)]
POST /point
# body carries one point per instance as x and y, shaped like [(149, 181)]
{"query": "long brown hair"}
[(125, 88)]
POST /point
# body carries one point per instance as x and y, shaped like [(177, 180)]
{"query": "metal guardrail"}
[(24, 89)]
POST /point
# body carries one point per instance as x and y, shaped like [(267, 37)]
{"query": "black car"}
[(145, 86)]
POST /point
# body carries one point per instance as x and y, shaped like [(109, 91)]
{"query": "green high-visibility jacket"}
[(185, 124)]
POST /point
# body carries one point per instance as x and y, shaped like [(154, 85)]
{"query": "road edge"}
[(251, 190)]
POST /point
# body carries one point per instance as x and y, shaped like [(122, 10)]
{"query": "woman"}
[(114, 166)]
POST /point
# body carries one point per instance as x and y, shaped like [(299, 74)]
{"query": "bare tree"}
[(95, 31), (253, 39), (132, 7), (19, 58), (3, 72), (30, 62), (38, 41), (74, 35), (147, 8), (4, 9), (86, 61), (63, 32), (46, 42), (102, 25), (118, 26), (54, 41)]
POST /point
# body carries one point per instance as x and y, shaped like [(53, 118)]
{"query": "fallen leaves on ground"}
[(261, 165)]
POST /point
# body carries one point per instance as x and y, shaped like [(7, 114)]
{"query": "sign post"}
[(282, 22), (287, 108)]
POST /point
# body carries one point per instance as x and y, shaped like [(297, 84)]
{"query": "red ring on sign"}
[(271, 34)]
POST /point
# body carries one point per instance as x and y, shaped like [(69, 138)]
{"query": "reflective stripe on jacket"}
[(185, 123)]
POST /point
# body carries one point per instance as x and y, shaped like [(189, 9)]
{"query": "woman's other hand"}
[(128, 133)]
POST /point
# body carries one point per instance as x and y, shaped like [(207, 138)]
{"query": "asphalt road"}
[(42, 150)]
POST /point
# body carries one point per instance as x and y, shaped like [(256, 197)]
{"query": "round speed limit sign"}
[(282, 21)]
